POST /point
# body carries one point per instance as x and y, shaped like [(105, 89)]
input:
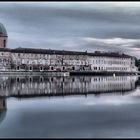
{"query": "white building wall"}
[(96, 63), (104, 63)]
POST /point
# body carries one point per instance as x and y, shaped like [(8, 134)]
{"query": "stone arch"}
[(30, 68), (41, 68)]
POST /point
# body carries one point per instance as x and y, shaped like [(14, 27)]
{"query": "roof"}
[(63, 52), (46, 51), (3, 31), (110, 54), (5, 50)]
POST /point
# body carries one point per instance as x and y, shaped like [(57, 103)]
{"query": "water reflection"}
[(39, 85), (3, 105), (3, 108), (72, 116)]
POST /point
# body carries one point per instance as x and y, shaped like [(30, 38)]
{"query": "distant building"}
[(31, 59)]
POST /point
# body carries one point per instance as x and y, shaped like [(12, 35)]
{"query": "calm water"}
[(70, 107)]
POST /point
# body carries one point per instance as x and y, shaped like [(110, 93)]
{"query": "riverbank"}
[(66, 73), (104, 73), (35, 73)]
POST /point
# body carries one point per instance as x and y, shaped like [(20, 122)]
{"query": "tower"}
[(3, 36)]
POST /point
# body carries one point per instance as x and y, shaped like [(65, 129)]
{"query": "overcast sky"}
[(78, 26)]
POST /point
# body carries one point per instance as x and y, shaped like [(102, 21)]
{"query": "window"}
[(51, 68), (73, 68), (30, 68), (17, 67), (41, 68), (4, 43)]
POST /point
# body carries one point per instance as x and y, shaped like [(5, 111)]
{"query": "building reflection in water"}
[(3, 104), (39, 85), (3, 108)]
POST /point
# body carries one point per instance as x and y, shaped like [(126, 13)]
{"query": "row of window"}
[(50, 62), (110, 68), (110, 62), (70, 57), (31, 55), (42, 68), (110, 79), (5, 60), (4, 54), (116, 58), (72, 62)]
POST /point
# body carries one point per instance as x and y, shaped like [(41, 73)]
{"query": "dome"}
[(3, 31)]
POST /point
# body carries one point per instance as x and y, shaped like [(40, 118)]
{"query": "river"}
[(70, 107)]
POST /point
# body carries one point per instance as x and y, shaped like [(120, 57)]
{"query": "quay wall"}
[(104, 73), (34, 73), (65, 73)]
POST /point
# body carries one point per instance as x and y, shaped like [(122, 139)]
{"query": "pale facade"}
[(22, 59), (40, 59), (120, 63)]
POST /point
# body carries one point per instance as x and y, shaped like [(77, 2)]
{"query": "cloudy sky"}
[(78, 26)]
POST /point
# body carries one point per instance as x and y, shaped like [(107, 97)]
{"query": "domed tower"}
[(3, 36)]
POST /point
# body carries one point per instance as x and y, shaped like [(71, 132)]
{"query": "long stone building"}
[(31, 59)]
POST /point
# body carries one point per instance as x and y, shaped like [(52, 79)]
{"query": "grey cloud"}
[(62, 21)]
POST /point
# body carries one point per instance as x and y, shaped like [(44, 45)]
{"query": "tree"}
[(137, 63)]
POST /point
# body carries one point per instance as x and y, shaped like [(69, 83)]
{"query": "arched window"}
[(63, 68), (41, 68), (30, 68), (17, 67), (51, 68), (73, 68)]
